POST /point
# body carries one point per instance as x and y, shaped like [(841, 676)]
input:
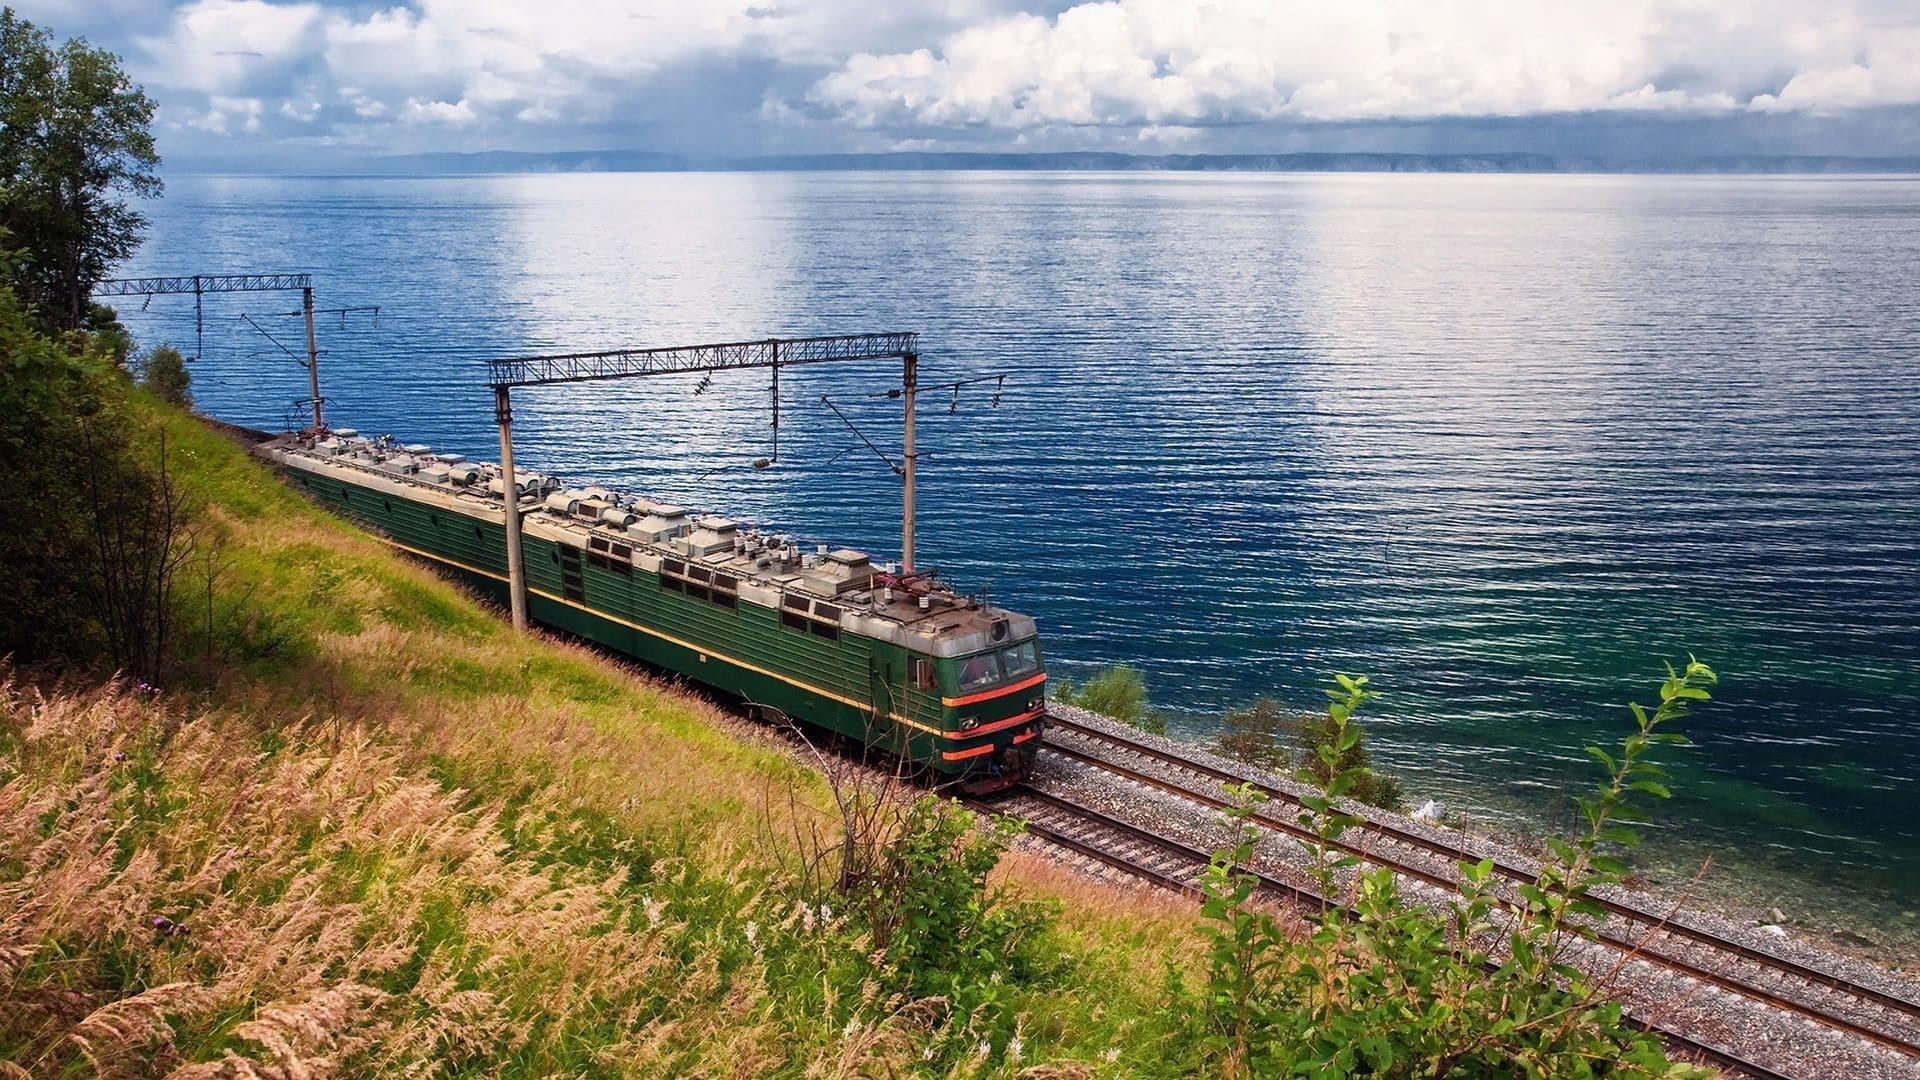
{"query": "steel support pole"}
[(199, 326), (909, 386), (510, 493), (313, 359), (776, 401)]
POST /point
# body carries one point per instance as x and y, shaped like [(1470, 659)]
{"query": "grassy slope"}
[(395, 832)]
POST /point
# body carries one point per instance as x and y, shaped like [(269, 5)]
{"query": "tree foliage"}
[(75, 140), (167, 377), (88, 567)]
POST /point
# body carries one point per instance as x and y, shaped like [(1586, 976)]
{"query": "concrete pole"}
[(313, 360), (510, 492), (909, 385)]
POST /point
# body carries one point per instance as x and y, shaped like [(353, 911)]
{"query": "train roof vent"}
[(656, 528), (346, 432), (712, 535), (840, 572), (562, 503), (416, 448)]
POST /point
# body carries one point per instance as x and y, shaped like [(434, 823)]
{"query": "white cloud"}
[(1889, 73), (228, 47), (449, 113), (1149, 63)]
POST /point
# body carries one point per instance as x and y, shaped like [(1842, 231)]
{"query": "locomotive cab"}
[(993, 707)]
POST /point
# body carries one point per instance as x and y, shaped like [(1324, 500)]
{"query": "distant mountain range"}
[(493, 162)]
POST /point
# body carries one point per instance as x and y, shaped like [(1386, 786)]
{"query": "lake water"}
[(1503, 443)]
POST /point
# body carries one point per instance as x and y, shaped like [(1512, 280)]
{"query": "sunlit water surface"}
[(1502, 443)]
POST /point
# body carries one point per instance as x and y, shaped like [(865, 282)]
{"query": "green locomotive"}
[(898, 661)]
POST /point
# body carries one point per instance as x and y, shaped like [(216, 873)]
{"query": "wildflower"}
[(753, 932), (826, 913), (119, 755), (654, 909), (853, 1025), (982, 1048), (1013, 1048), (1113, 1053)]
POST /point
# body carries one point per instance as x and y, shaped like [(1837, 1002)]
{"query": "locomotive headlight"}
[(969, 723)]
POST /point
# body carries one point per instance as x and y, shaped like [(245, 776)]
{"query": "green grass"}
[(401, 833)]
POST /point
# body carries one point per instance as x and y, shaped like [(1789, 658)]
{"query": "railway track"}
[(1885, 1020), (1175, 865)]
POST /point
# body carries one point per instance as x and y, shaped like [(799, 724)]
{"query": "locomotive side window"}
[(923, 674)]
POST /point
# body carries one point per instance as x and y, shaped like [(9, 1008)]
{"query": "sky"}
[(296, 85)]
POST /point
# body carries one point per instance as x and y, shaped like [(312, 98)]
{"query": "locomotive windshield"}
[(1018, 660), (988, 668)]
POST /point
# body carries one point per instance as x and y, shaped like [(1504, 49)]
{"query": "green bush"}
[(166, 376), (1120, 692), (1318, 737), (1382, 986)]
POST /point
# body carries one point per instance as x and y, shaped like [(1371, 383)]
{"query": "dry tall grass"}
[(180, 897)]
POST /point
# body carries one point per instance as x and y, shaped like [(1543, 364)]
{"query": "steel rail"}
[(1512, 871)]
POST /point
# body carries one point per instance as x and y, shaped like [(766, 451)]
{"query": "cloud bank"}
[(1122, 63), (743, 76)]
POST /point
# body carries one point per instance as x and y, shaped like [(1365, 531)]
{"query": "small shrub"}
[(942, 929), (1327, 749), (1120, 692), (167, 377), (1259, 734), (1269, 735)]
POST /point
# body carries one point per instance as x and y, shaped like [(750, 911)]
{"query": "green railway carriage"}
[(897, 661)]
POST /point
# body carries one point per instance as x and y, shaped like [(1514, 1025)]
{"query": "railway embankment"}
[(360, 826)]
